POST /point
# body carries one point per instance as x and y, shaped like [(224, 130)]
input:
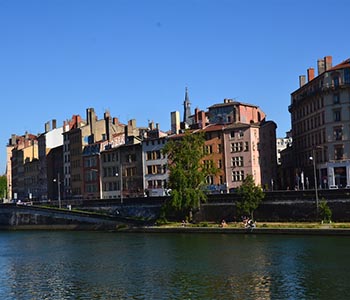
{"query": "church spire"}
[(187, 108)]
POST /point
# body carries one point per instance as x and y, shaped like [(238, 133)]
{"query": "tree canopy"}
[(187, 174), (251, 196), (3, 186)]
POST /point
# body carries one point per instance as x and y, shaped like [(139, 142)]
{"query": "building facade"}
[(154, 162), (321, 125), (24, 166)]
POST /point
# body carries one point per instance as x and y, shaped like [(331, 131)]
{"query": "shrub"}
[(324, 211)]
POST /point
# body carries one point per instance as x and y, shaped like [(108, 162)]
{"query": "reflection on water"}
[(99, 265)]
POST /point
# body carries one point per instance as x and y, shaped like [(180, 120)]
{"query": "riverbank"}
[(237, 228), (285, 228)]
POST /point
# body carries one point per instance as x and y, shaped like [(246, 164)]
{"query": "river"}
[(105, 265)]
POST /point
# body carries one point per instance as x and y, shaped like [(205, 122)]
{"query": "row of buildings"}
[(92, 158)]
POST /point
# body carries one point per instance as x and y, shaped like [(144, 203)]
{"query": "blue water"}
[(101, 265)]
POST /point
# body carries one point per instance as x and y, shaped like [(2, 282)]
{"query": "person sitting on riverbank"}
[(245, 221), (223, 223), (248, 223)]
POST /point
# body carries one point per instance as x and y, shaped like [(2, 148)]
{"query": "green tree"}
[(187, 175), (3, 186), (324, 211), (250, 198)]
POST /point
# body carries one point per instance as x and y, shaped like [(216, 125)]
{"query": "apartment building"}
[(249, 143), (214, 153), (131, 170), (267, 155), (80, 134), (321, 124), (241, 154), (50, 139), (101, 168), (155, 179), (24, 166), (54, 175)]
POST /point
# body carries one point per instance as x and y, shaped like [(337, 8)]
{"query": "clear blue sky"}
[(135, 58)]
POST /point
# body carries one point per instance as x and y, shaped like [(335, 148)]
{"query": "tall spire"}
[(187, 108)]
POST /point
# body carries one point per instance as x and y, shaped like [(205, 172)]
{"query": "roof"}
[(212, 127), (342, 65), (231, 103), (241, 125)]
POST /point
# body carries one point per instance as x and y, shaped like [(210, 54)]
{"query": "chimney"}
[(320, 66), (151, 125), (302, 80), (47, 127), (175, 122), (13, 139), (310, 74), (327, 62), (106, 114), (54, 124)]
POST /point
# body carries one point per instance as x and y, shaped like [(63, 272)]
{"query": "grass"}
[(278, 225)]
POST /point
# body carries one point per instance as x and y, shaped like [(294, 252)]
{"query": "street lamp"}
[(120, 175), (58, 189), (315, 178)]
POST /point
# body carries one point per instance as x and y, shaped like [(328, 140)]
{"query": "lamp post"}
[(315, 178), (120, 175), (58, 189)]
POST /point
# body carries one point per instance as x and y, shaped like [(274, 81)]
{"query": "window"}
[(149, 155), (237, 175), (209, 179), (237, 161), (219, 148), (232, 134), (154, 169), (347, 76), (336, 99), (337, 115), (208, 149), (338, 152), (338, 133), (246, 146), (131, 157), (152, 155), (236, 147), (220, 164), (336, 81), (207, 164)]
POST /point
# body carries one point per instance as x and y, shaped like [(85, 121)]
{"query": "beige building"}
[(240, 142), (321, 125), (249, 143), (24, 167)]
